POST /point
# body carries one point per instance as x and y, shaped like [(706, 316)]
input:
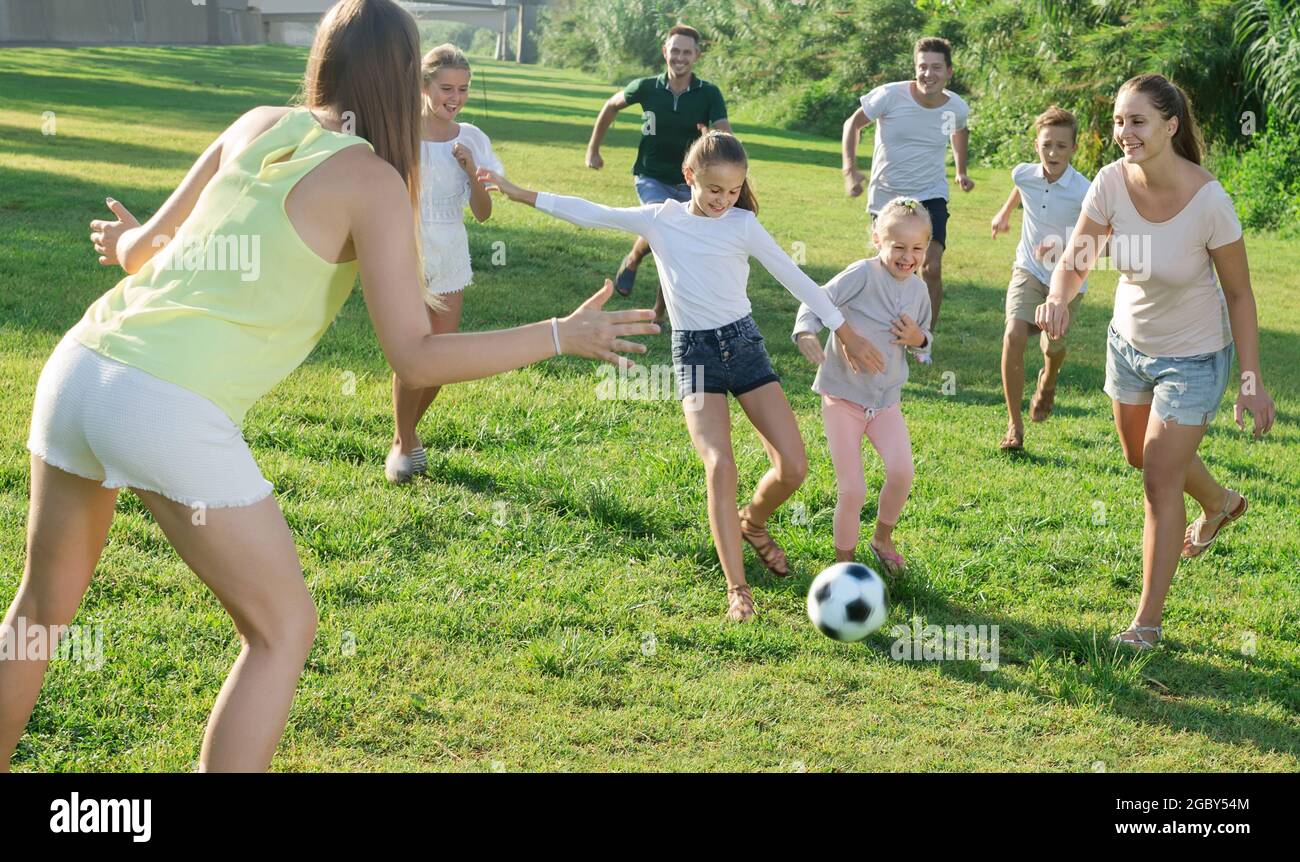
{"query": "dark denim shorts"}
[(729, 359)]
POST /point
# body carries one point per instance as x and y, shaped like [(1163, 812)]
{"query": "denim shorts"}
[(652, 191), (729, 359), (1185, 389)]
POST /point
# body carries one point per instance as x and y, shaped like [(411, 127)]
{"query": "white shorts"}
[(102, 420)]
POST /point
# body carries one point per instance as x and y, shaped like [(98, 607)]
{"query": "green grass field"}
[(548, 598)]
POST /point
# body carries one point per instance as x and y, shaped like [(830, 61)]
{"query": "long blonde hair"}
[(445, 56)]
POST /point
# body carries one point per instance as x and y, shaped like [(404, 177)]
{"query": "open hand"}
[(596, 334), (858, 352), (494, 182)]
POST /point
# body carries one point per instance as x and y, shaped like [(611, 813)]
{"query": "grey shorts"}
[(731, 359)]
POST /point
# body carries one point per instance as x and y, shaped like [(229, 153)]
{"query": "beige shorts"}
[(1025, 293)]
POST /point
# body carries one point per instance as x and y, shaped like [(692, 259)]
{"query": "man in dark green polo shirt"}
[(677, 107)]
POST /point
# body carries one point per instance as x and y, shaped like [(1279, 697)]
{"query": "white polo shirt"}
[(911, 143), (1051, 212)]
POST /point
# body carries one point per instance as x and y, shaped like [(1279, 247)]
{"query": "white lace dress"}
[(444, 194)]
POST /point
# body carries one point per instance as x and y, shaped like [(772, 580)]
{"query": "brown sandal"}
[(740, 603), (769, 552), (1040, 406)]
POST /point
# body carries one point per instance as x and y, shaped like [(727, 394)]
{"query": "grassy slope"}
[(503, 609)]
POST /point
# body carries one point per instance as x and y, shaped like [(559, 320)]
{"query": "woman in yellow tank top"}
[(230, 285)]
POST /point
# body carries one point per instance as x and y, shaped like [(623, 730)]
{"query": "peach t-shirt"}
[(1168, 302)]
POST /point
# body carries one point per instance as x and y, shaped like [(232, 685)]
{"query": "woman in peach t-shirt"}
[(1171, 227)]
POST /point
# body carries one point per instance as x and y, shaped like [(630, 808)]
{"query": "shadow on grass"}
[(1084, 669), (21, 140)]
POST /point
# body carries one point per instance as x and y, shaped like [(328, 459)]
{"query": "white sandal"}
[(1138, 642), (401, 466), (1193, 546)]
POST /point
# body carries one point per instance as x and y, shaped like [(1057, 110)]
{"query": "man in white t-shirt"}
[(915, 121)]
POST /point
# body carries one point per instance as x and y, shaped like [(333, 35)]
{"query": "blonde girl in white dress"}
[(450, 154)]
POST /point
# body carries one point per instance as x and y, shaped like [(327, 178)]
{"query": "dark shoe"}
[(624, 279)]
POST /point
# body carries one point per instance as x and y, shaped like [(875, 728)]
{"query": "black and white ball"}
[(848, 601)]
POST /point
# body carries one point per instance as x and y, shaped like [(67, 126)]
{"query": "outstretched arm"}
[(126, 242), (574, 210), (382, 228), (859, 352)]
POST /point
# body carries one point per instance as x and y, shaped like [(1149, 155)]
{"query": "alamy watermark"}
[(946, 643), (241, 253), (1128, 253), (649, 383), (27, 641)]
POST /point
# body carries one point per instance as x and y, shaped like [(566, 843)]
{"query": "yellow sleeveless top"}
[(236, 301)]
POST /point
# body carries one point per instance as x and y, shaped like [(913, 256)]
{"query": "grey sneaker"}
[(402, 466)]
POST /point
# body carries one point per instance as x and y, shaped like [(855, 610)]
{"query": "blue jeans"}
[(1185, 389), (651, 191)]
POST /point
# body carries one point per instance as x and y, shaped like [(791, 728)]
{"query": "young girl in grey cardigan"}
[(885, 300)]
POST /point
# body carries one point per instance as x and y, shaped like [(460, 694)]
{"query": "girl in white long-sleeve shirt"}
[(702, 250)]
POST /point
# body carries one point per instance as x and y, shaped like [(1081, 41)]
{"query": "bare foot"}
[(1044, 398)]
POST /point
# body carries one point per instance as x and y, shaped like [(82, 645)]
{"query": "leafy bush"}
[(1264, 179), (803, 65)]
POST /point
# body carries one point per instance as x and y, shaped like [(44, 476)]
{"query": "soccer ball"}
[(848, 601)]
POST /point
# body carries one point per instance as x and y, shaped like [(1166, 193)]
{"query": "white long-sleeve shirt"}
[(703, 262)]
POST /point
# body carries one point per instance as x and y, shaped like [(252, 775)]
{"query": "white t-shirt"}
[(911, 142), (703, 262), (1051, 210), (1168, 302)]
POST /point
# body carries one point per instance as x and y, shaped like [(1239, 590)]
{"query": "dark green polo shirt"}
[(670, 123)]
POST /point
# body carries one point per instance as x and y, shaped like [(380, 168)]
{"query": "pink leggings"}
[(846, 422)]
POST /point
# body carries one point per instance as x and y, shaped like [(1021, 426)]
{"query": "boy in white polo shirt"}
[(1052, 194)]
